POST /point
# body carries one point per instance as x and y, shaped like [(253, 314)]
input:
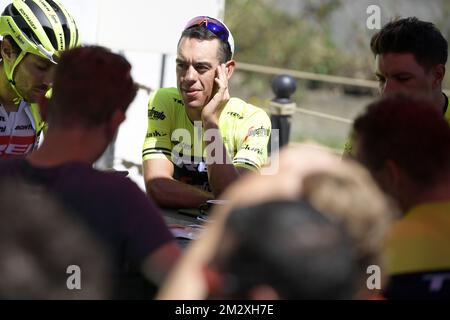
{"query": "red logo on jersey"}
[(15, 145)]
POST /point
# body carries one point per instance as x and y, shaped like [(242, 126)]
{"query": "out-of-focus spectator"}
[(93, 88), (282, 250), (39, 242), (405, 143), (343, 191)]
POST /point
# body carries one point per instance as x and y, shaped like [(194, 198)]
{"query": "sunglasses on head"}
[(213, 25)]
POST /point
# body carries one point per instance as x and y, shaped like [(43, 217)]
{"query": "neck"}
[(7, 94), (194, 114), (438, 192), (63, 145)]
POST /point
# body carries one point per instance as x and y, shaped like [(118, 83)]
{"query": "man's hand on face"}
[(211, 112)]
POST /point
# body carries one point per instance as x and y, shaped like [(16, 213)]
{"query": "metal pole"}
[(282, 108)]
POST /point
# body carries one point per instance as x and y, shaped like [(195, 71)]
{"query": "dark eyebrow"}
[(196, 64), (403, 73), (203, 63)]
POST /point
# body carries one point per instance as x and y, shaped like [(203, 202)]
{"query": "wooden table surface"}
[(172, 216)]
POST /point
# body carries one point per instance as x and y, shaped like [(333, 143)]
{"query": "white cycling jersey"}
[(17, 131)]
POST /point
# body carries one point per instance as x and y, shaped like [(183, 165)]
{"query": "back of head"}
[(408, 131), (39, 241), (90, 84), (288, 246), (411, 35), (343, 194), (341, 190)]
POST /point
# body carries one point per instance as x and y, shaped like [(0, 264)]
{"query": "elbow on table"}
[(156, 191)]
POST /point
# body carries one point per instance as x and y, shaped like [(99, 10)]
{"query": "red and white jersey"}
[(17, 131)]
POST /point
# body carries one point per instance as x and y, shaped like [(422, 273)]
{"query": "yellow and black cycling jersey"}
[(245, 130), (419, 241)]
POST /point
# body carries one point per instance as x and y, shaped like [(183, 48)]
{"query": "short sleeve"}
[(157, 143), (254, 138)]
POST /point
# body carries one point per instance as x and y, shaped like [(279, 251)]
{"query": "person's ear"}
[(391, 179), (230, 65), (438, 72), (8, 52), (393, 173)]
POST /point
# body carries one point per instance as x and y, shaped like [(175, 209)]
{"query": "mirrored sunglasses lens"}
[(219, 31), (211, 24)]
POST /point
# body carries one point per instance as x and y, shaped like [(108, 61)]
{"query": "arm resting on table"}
[(168, 192)]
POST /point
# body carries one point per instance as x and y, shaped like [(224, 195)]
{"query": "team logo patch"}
[(155, 134), (24, 127), (235, 115), (258, 132), (253, 149), (153, 114), (179, 101)]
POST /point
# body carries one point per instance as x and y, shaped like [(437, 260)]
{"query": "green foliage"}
[(272, 37), (265, 35)]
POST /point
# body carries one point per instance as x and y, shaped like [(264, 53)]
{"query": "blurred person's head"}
[(283, 250), (92, 86), (410, 57), (405, 144), (344, 191), (92, 90), (204, 44), (339, 188), (39, 240), (349, 196)]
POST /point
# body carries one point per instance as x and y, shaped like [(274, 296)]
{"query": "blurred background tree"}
[(273, 37)]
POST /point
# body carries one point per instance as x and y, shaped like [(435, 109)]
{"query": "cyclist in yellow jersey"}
[(35, 32), (199, 140), (410, 57), (405, 144)]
